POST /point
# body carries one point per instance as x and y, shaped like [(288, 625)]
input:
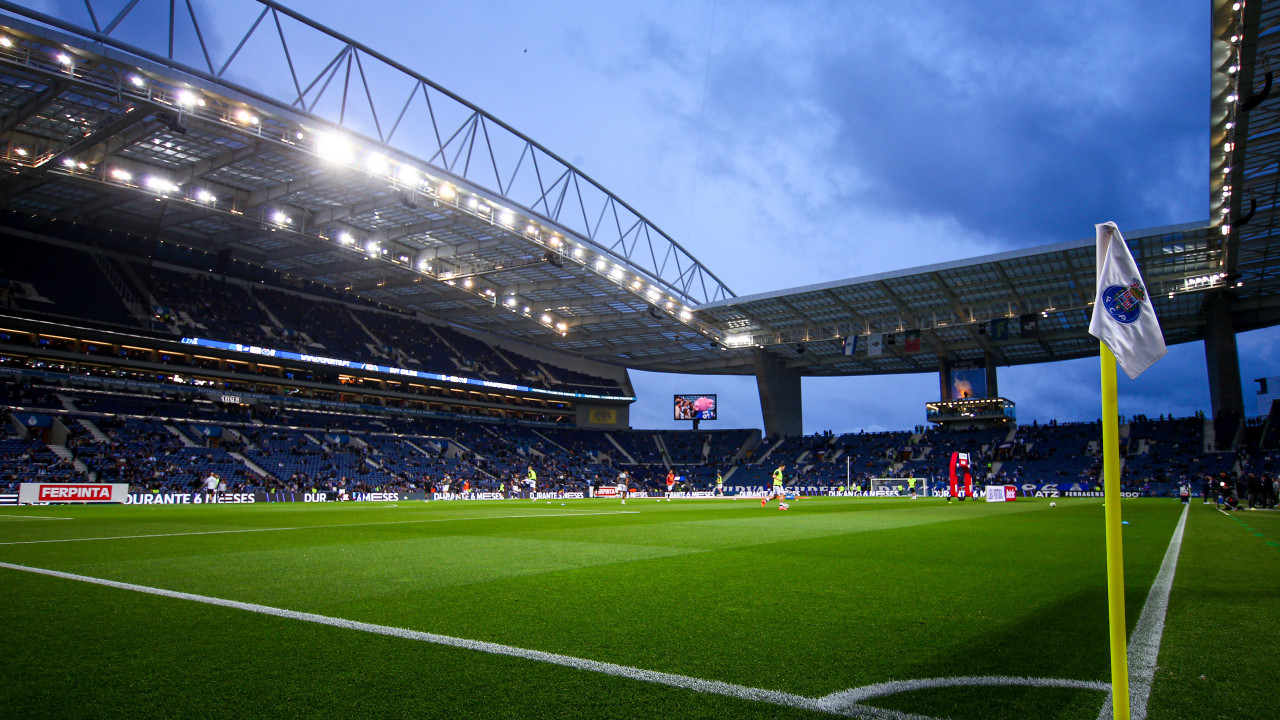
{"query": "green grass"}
[(834, 594)]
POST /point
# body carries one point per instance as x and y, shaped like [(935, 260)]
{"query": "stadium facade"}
[(293, 212)]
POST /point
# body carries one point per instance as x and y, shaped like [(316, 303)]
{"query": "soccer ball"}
[(1053, 504)]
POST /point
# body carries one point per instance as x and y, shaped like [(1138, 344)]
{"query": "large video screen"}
[(695, 407), (968, 380)]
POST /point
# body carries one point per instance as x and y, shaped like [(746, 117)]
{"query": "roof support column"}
[(779, 396), (1226, 396), (993, 389)]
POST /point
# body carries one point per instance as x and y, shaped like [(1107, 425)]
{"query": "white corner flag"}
[(1123, 315)]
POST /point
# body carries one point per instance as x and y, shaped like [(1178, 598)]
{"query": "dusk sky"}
[(788, 143)]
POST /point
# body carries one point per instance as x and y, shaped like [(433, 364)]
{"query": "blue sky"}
[(787, 143)]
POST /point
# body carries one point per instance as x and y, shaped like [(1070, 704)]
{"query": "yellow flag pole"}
[(1115, 548)]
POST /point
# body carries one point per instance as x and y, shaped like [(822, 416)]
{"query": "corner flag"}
[(1124, 321), (1123, 315)]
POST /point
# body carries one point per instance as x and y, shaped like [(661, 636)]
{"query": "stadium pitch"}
[(700, 608)]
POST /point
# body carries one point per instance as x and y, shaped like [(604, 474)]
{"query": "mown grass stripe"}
[(315, 527)]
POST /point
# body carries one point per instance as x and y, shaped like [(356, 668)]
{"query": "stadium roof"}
[(304, 151)]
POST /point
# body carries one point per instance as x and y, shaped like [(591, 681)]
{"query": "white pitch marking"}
[(1144, 644), (317, 527), (843, 703), (35, 517)]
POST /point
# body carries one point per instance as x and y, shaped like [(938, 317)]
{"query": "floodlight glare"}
[(378, 164), (159, 184), (409, 176), (137, 81), (467, 283), (446, 191), (121, 174), (64, 58), (6, 42), (546, 319), (279, 218), (186, 98), (334, 148), (68, 162), (346, 239)]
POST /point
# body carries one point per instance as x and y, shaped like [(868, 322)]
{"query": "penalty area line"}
[(34, 517), (314, 527)]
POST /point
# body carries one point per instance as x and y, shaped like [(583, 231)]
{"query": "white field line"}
[(35, 517), (844, 703), (317, 527), (1144, 644)]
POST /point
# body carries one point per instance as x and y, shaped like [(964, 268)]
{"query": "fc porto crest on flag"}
[(1124, 304)]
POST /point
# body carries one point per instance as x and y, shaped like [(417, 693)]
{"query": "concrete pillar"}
[(779, 396), (1226, 396), (993, 388), (944, 378)]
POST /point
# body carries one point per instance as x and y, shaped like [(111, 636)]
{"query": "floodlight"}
[(378, 164), (409, 176), (159, 184), (334, 148), (279, 218), (121, 174)]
